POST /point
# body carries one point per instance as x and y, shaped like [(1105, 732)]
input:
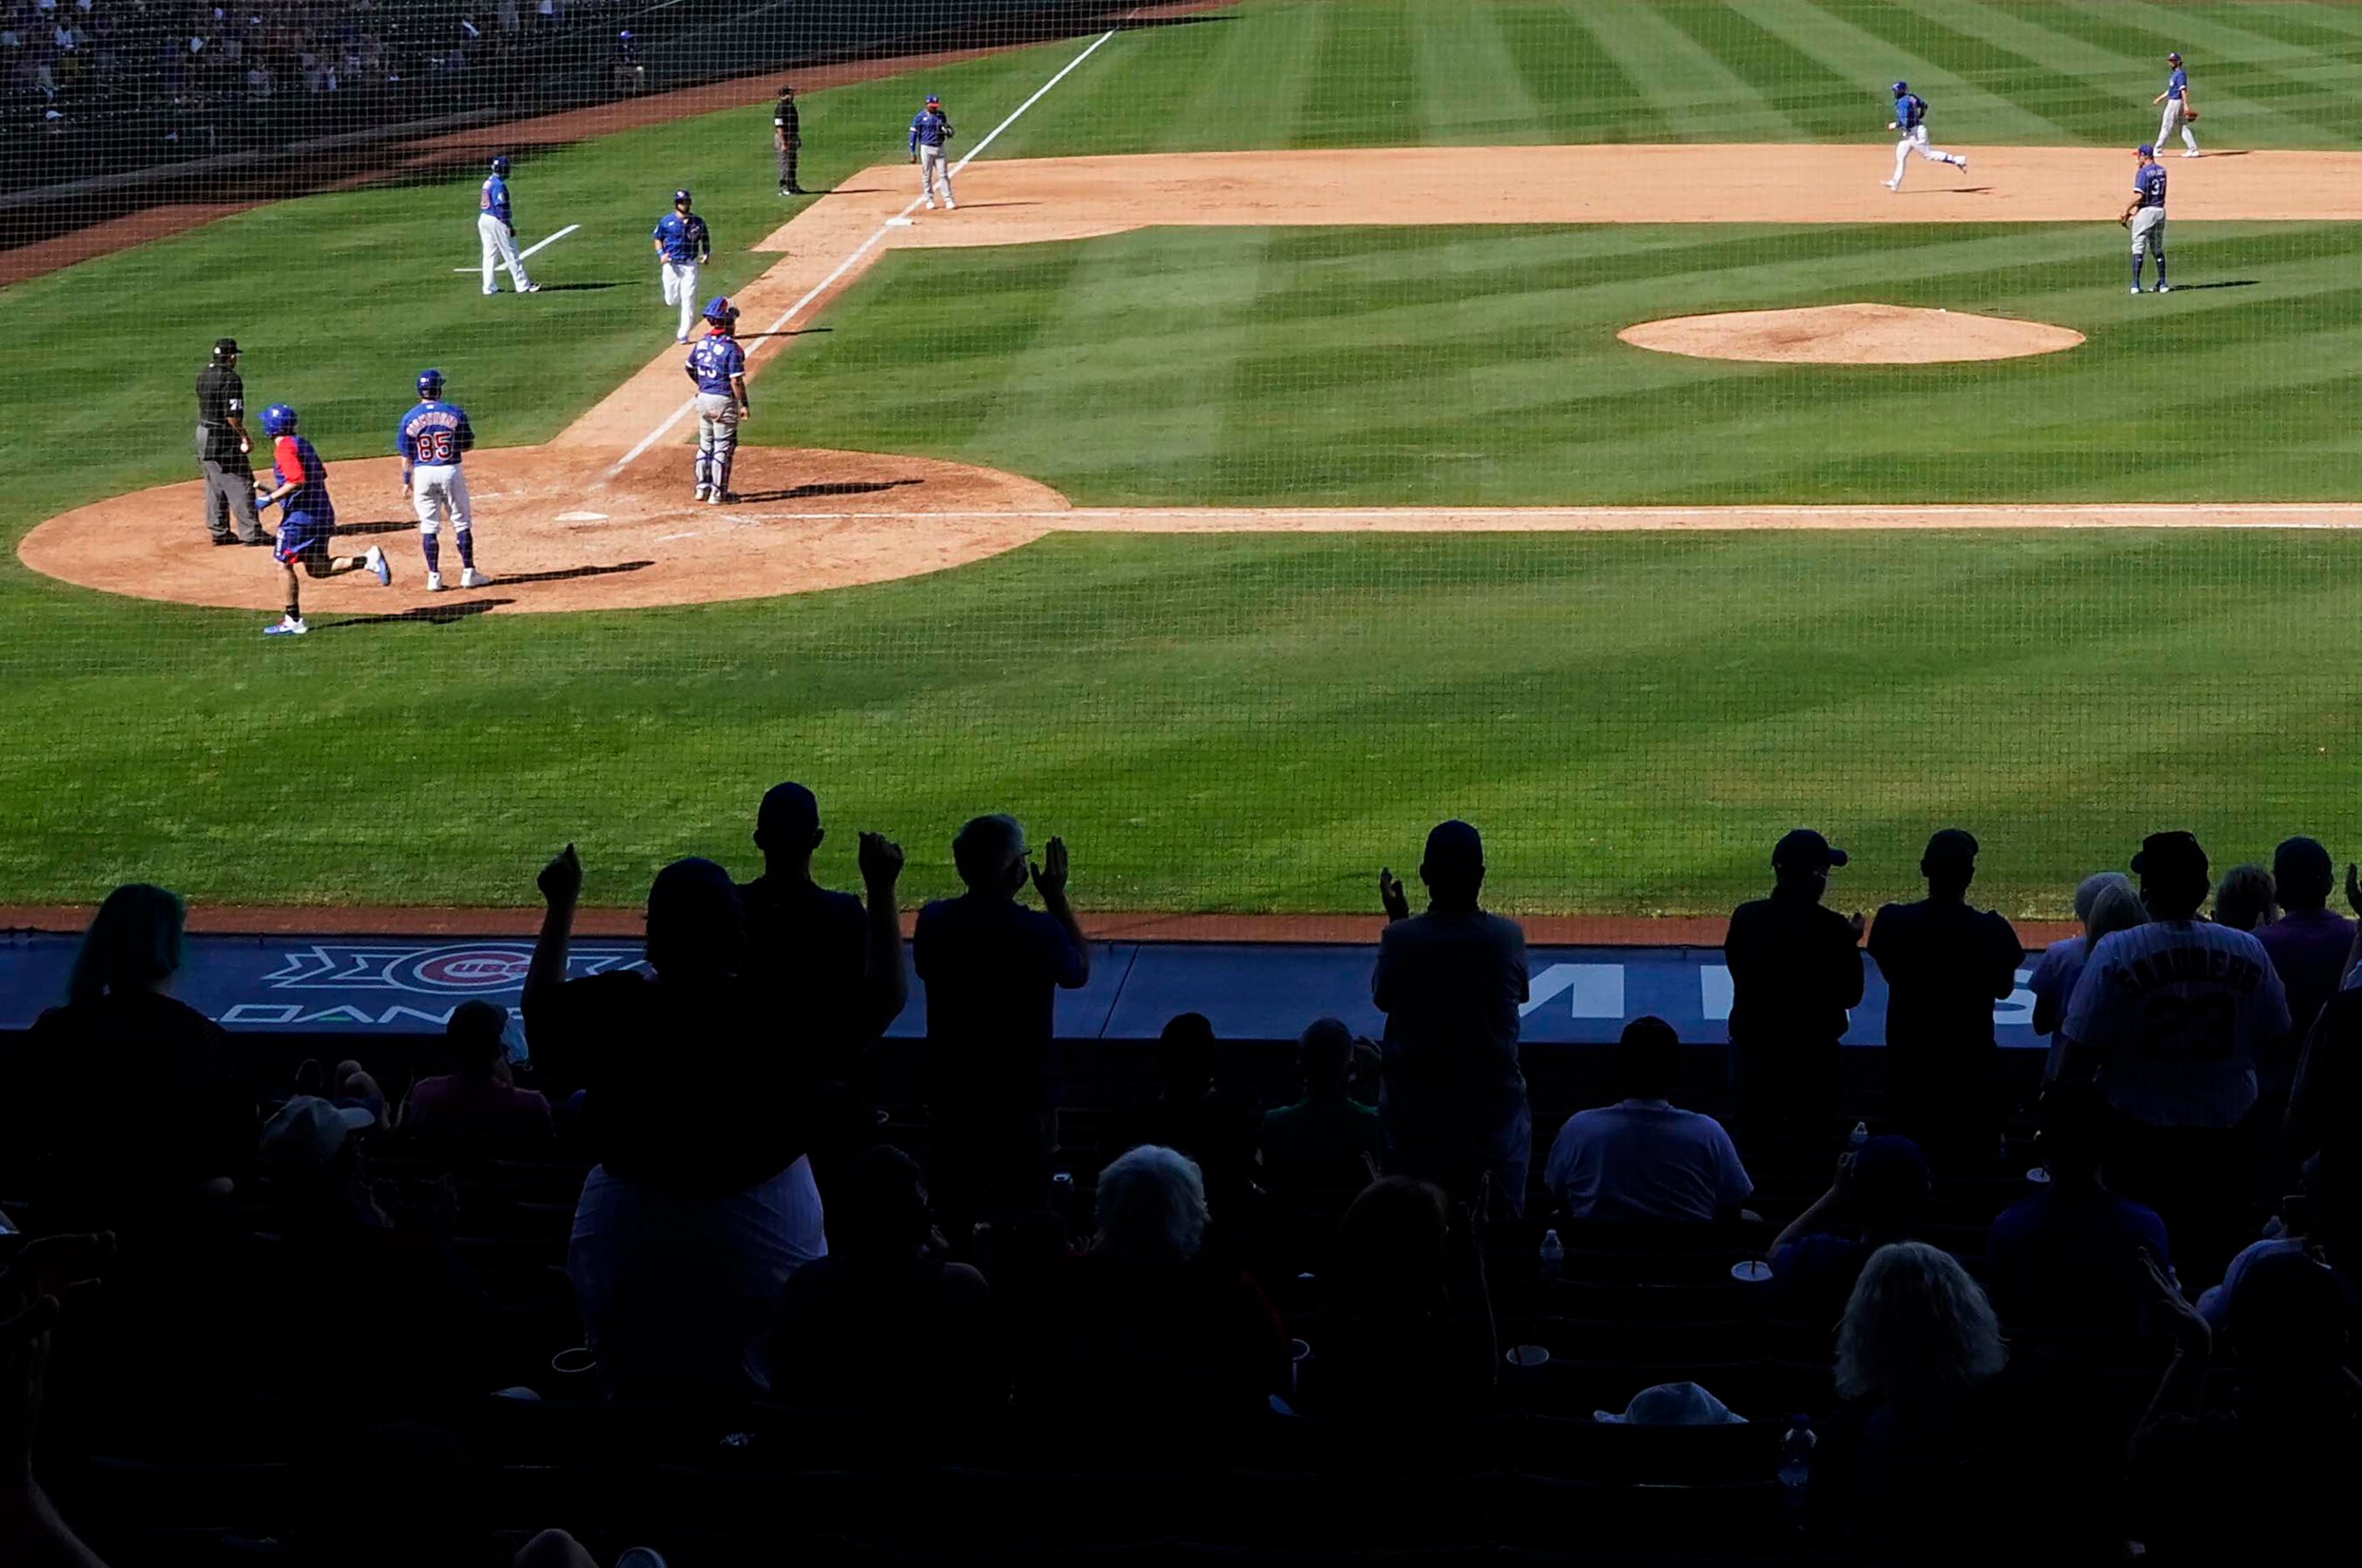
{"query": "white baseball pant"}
[(438, 491), (932, 169), (717, 440), (2148, 233), (2172, 122), (1915, 140), (500, 250), (681, 289)]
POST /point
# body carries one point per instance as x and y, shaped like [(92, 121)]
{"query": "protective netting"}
[(1235, 483)]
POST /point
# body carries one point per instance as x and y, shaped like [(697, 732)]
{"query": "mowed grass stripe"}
[(2291, 81), (1365, 78), (1823, 105), (1582, 93), (1961, 108), (1470, 90), (1692, 91), (2230, 90), (2099, 93)]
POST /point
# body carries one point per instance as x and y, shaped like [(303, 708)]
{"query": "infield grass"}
[(1259, 723)]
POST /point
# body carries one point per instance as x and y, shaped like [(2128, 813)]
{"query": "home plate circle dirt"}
[(1850, 335), (553, 532)]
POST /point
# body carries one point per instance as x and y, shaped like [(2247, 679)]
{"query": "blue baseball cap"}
[(2145, 150)]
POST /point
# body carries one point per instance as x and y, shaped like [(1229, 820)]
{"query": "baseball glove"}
[(2190, 114)]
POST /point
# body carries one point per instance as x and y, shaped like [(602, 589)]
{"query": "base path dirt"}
[(601, 517), (1850, 335)]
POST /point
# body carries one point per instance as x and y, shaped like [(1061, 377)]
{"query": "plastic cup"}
[(1527, 1355), (1750, 1270), (575, 1363)]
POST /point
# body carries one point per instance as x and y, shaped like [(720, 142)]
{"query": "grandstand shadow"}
[(842, 487)]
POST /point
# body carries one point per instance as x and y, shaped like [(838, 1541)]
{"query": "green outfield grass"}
[(1249, 723)]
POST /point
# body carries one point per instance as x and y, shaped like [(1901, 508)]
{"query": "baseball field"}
[(1255, 468)]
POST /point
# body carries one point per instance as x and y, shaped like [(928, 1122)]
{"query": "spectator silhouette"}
[(180, 1120), (2323, 1223), (884, 1322), (477, 1107), (1640, 1159), (1917, 1346), (2104, 902), (992, 969), (2069, 1260), (2244, 898), (1184, 1072), (703, 1202), (1143, 1323), (1327, 1138), (1796, 967), (2289, 1432), (1946, 963), (2308, 944), (1878, 1199), (2168, 1018), (1406, 1336), (1452, 1098), (830, 968)]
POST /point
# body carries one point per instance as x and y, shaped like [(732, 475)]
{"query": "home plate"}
[(582, 518)]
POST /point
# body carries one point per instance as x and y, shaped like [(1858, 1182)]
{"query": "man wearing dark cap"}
[(1945, 963), (2168, 1019), (702, 1201), (787, 140), (829, 970), (222, 448), (1796, 967), (1451, 1099)]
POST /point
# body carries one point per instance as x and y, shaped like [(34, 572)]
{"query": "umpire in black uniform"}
[(788, 140), (222, 448)]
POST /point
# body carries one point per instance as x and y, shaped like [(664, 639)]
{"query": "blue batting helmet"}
[(500, 166), (719, 308), (1900, 88), (430, 384), (278, 420), (680, 197)]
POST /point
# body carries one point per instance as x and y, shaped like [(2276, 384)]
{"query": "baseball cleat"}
[(434, 582), (950, 206), (225, 538), (287, 626), (2165, 288), (931, 203), (1964, 165), (700, 493), (2190, 154), (470, 578), (2133, 289), (375, 561), (490, 293), (1892, 185), (528, 288), (680, 337)]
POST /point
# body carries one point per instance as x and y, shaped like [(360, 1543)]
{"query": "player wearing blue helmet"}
[(1911, 120), (434, 439), (627, 73), (299, 485), (718, 366), (682, 245), (496, 231)]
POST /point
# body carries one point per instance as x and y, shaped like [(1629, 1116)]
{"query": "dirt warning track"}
[(600, 517)]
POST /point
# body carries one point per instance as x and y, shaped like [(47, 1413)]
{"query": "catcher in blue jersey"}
[(299, 485), (718, 365)]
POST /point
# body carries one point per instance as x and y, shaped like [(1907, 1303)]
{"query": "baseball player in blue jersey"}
[(299, 484), (682, 247), (434, 437), (2178, 110), (929, 130), (2146, 216), (718, 366), (1911, 120), (496, 228)]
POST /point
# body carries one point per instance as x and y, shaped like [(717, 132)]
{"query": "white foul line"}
[(528, 251), (860, 250)]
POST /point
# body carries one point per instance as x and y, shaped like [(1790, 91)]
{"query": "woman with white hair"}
[(1917, 1345), (1142, 1321), (2105, 901)]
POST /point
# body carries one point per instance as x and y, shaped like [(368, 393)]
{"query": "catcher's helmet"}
[(278, 420), (720, 309), (430, 384), (1900, 88), (500, 166)]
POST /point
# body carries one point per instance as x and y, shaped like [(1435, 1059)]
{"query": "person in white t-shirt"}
[(2168, 1020), (1641, 1159)]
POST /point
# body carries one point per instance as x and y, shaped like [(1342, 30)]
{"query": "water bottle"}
[(1860, 1136), (1796, 1471), (1553, 1255)]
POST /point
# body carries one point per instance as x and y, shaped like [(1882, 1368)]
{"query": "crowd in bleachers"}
[(688, 1281), (91, 85)]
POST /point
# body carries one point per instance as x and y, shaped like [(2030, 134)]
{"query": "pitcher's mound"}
[(1850, 335)]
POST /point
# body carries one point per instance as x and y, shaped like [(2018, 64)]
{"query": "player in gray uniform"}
[(2146, 216), (222, 446), (718, 366)]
